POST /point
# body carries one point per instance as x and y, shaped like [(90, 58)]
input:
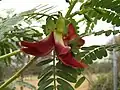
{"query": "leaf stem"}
[(54, 70), (70, 8), (17, 74), (9, 54)]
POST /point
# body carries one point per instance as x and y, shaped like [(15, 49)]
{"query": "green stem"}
[(9, 54), (17, 74), (54, 70), (71, 8)]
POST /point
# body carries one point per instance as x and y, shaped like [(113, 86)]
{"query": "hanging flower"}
[(64, 53), (72, 37), (54, 41), (41, 48)]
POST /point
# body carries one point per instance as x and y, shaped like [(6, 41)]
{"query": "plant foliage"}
[(56, 75)]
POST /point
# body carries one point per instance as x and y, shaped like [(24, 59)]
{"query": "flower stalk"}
[(17, 74), (70, 8), (54, 70)]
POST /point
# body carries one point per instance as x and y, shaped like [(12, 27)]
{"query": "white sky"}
[(23, 5)]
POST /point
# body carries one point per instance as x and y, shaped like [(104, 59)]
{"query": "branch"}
[(70, 8), (17, 74)]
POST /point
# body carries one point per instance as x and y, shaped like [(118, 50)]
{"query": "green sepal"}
[(50, 25), (60, 24)]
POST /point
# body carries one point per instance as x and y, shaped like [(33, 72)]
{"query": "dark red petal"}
[(60, 48), (71, 35), (81, 42), (69, 60), (32, 51), (71, 32), (40, 48)]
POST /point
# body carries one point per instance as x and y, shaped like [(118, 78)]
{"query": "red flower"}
[(64, 53), (69, 60), (72, 36), (53, 41), (41, 48)]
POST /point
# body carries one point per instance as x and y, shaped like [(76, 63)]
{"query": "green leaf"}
[(79, 70), (98, 54), (66, 76), (64, 84), (88, 60), (115, 32), (103, 52), (68, 69), (93, 56), (90, 47), (47, 69), (100, 11), (88, 18), (108, 32), (79, 82), (99, 33), (82, 54), (49, 88), (45, 84), (60, 87), (81, 1), (45, 77), (65, 68), (44, 62)]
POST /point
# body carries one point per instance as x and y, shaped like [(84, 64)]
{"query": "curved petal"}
[(73, 37), (78, 42), (69, 60), (71, 32), (41, 48), (60, 48), (64, 54)]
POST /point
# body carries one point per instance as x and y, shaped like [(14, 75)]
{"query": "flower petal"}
[(78, 42), (64, 54), (73, 37), (60, 48), (41, 48), (71, 32), (69, 60)]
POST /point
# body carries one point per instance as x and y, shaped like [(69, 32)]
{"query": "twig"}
[(17, 74)]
